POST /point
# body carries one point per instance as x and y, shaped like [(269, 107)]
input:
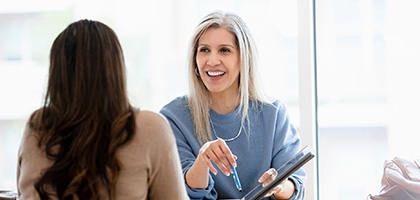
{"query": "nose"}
[(213, 59)]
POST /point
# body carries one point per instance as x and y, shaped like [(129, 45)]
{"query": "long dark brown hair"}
[(86, 116)]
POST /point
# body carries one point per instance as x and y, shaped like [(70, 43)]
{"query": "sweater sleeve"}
[(287, 144), (31, 163), (167, 176), (164, 172), (188, 145), (188, 157)]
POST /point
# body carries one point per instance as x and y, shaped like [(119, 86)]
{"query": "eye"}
[(225, 50), (203, 49)]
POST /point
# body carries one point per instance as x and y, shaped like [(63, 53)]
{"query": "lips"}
[(215, 74)]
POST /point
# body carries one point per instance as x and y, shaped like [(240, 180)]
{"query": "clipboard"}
[(296, 162)]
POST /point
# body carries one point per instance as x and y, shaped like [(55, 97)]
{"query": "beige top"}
[(151, 167)]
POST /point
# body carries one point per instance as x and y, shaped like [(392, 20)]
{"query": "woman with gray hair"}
[(227, 124)]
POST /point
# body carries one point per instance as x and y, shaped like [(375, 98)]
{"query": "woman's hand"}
[(268, 177), (214, 151), (284, 190), (218, 152)]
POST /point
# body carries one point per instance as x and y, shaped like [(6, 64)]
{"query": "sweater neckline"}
[(234, 116)]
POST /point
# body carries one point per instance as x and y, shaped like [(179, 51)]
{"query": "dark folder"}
[(296, 162)]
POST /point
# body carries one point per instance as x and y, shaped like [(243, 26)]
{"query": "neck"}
[(224, 104)]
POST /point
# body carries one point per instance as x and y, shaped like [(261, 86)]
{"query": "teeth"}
[(218, 73)]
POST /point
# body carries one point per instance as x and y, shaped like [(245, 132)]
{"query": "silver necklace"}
[(226, 140)]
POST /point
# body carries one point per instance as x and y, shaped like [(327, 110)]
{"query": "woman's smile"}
[(215, 73)]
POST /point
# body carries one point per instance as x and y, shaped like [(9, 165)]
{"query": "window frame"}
[(307, 90)]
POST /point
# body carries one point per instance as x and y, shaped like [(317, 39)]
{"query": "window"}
[(154, 37), (366, 54)]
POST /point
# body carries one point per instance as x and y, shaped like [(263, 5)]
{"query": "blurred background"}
[(366, 54)]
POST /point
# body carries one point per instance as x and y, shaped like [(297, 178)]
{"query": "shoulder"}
[(146, 119), (29, 141), (176, 107), (152, 126), (147, 116), (273, 105), (279, 105), (152, 137), (180, 101), (30, 137)]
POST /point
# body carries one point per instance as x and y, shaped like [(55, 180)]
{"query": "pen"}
[(236, 179)]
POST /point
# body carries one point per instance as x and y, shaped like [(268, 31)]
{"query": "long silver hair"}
[(250, 87)]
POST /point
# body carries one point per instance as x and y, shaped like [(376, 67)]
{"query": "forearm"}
[(197, 176)]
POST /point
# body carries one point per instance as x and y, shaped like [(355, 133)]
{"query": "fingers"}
[(276, 189), (268, 177), (219, 153)]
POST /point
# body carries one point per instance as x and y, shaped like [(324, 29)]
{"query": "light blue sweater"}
[(271, 141)]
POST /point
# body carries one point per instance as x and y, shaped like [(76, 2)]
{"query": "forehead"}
[(217, 36)]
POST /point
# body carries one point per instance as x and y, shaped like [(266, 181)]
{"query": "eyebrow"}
[(222, 45)]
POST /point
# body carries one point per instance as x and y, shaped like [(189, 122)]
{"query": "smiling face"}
[(217, 59)]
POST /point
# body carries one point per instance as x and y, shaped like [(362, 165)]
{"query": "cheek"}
[(199, 62), (234, 63), (235, 66)]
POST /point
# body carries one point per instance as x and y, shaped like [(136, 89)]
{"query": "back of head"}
[(86, 69), (86, 113)]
